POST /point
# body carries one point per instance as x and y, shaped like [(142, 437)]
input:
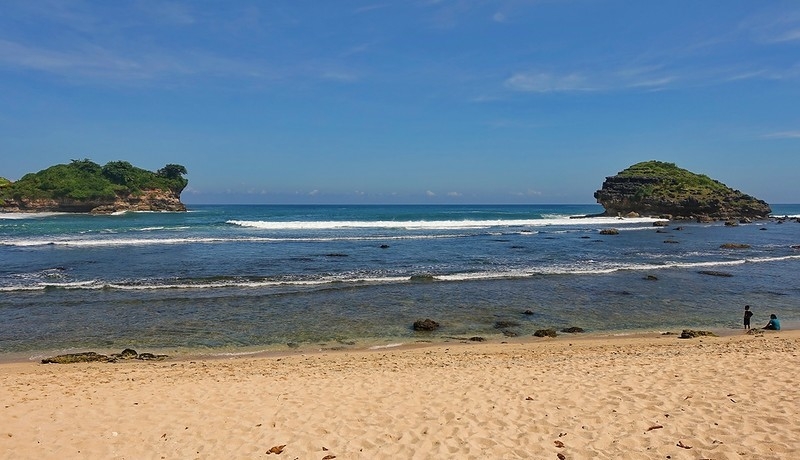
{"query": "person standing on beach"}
[(747, 315)]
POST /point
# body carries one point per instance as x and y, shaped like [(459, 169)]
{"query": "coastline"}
[(375, 344), (609, 397)]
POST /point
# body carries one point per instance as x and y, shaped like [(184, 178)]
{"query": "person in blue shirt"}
[(774, 323)]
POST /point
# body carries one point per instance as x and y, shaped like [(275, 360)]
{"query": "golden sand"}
[(654, 397)]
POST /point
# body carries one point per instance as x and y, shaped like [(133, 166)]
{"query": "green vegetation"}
[(672, 181), (657, 188), (87, 180)]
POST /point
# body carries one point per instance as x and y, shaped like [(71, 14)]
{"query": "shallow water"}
[(227, 278)]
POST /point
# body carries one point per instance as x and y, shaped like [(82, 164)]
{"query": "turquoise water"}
[(233, 278)]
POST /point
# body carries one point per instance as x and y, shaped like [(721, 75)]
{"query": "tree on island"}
[(84, 183)]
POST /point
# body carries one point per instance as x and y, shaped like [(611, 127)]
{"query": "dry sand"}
[(653, 397)]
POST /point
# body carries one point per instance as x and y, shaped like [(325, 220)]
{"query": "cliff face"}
[(147, 200), (655, 188)]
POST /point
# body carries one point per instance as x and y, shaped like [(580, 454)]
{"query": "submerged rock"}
[(70, 358), (734, 246), (545, 333), (715, 273), (90, 356), (422, 278), (572, 330), (609, 231), (426, 324), (505, 324)]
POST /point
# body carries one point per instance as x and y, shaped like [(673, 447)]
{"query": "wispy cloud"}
[(773, 26), (88, 61), (782, 135), (543, 82), (590, 80)]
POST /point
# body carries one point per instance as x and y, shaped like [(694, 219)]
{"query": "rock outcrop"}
[(655, 188), (147, 200), (85, 186)]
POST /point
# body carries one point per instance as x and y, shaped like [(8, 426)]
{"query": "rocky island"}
[(86, 187), (659, 189)]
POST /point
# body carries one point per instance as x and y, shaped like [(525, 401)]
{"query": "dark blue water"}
[(234, 278)]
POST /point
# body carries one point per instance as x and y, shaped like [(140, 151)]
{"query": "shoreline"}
[(624, 397), (359, 345)]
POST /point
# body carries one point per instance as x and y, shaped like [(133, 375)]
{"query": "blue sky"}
[(405, 101)]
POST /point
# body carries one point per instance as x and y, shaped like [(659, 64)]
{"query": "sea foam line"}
[(576, 269), (216, 240), (433, 224)]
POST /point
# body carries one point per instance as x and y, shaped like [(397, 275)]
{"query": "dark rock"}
[(128, 353), (734, 246), (508, 333), (660, 223), (731, 223), (335, 254), (293, 345), (151, 357), (609, 231), (425, 325), (422, 278), (745, 220), (384, 246), (572, 330), (477, 339), (70, 358), (715, 273), (545, 333), (690, 334), (505, 324), (651, 278), (671, 241), (530, 312)]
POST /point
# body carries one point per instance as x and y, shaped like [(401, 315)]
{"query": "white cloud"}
[(314, 192), (429, 193), (454, 194), (783, 135), (543, 82)]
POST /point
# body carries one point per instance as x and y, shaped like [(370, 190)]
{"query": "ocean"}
[(228, 280)]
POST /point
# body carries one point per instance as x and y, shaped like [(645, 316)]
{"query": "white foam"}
[(585, 268), (433, 225), (30, 215)]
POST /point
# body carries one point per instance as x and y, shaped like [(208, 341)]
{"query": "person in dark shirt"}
[(747, 315)]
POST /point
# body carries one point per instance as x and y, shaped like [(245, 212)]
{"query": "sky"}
[(407, 102)]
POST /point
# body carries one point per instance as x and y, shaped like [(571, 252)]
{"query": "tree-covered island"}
[(85, 186), (657, 188)]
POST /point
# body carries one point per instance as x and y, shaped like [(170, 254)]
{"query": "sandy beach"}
[(656, 397)]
